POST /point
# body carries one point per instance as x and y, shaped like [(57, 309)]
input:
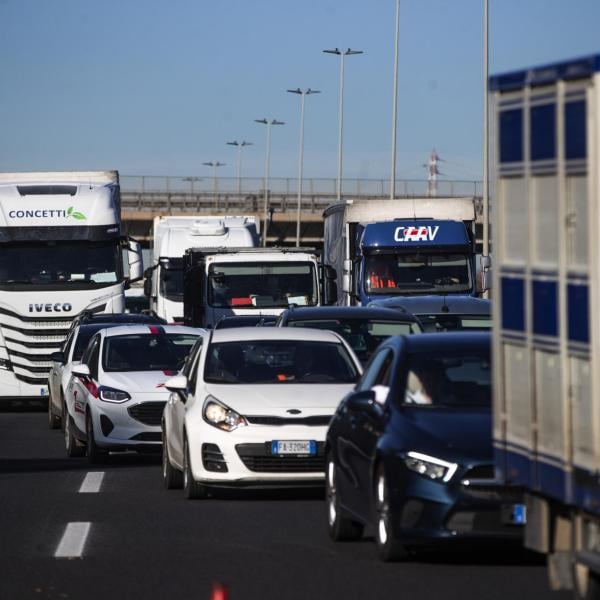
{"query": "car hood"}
[(137, 382), (461, 435), (277, 399)]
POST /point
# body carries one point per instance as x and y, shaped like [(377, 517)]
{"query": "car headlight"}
[(430, 466), (111, 395), (221, 416)]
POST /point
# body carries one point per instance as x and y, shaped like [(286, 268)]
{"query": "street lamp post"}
[(302, 94), (342, 54), (395, 105), (215, 165), (239, 145), (267, 167)]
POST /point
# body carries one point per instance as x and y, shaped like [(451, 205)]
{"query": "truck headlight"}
[(5, 364), (221, 416), (111, 395), (430, 466)]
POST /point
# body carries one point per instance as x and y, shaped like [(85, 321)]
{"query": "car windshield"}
[(262, 285), (451, 379), (394, 274), (363, 335), (146, 352), (58, 263), (279, 362), (449, 322), (84, 336)]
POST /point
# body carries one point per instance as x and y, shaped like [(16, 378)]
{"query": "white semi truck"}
[(546, 317), (61, 252), (172, 237)]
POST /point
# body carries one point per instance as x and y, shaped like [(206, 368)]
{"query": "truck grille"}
[(30, 341), (149, 413), (258, 458)]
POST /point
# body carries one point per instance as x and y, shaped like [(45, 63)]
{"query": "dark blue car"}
[(409, 451)]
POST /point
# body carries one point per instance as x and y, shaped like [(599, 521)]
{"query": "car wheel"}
[(73, 447), (95, 454), (388, 547), (172, 477), (586, 584), (192, 489), (340, 528), (53, 420)]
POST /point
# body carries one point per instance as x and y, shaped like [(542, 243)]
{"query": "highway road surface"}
[(69, 531)]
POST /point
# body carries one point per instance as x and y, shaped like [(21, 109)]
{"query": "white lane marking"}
[(72, 543), (92, 482)]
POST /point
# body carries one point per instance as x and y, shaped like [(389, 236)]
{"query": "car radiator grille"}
[(258, 458), (30, 341), (312, 421), (149, 413)]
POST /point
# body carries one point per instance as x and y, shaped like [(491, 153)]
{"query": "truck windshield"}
[(51, 263), (262, 285), (391, 274)]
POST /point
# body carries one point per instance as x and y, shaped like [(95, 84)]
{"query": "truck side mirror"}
[(134, 259), (329, 285), (485, 275)]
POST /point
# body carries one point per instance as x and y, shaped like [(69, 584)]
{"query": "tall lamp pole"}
[(239, 145), (215, 165), (342, 54), (302, 94), (486, 131), (395, 105), (269, 124)]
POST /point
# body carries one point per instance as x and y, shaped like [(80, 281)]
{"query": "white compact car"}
[(116, 395), (252, 406)]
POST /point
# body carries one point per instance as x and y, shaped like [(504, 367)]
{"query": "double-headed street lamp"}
[(302, 94), (239, 145), (342, 54), (215, 165), (395, 106), (268, 123)]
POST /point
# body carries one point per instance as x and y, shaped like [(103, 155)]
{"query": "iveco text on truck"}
[(385, 248), (61, 251), (546, 315), (172, 237)]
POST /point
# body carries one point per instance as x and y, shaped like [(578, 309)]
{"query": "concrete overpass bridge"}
[(144, 197)]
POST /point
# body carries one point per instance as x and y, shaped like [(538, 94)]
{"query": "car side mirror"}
[(179, 383), (81, 370), (363, 401), (58, 357)]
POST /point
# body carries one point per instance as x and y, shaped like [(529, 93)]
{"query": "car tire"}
[(73, 447), (53, 420), (389, 549), (95, 454), (339, 527), (172, 477), (193, 490)]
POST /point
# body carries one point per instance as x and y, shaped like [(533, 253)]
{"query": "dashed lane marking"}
[(72, 543), (91, 483)]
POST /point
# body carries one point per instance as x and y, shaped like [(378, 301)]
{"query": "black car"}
[(409, 451), (444, 313), (364, 328), (245, 321)]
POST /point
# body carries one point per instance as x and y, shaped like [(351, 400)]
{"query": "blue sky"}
[(158, 87)]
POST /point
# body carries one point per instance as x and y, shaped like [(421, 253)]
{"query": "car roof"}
[(348, 312), (152, 330), (89, 318), (433, 342), (438, 304), (275, 333), (243, 321)]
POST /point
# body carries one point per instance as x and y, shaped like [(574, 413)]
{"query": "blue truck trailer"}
[(546, 209), (387, 248)]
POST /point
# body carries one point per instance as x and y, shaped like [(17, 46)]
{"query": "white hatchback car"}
[(252, 406), (116, 395)]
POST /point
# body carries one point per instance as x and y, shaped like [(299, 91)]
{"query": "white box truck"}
[(546, 123), (172, 237), (61, 252)]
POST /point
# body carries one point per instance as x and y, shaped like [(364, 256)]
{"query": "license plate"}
[(515, 514), (294, 447)]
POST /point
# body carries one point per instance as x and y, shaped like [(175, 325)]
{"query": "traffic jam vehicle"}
[(80, 333), (251, 408), (116, 395), (410, 452)]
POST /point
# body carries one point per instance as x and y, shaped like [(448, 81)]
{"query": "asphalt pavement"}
[(68, 530)]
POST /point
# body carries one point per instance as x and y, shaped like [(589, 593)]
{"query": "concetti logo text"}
[(47, 213)]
